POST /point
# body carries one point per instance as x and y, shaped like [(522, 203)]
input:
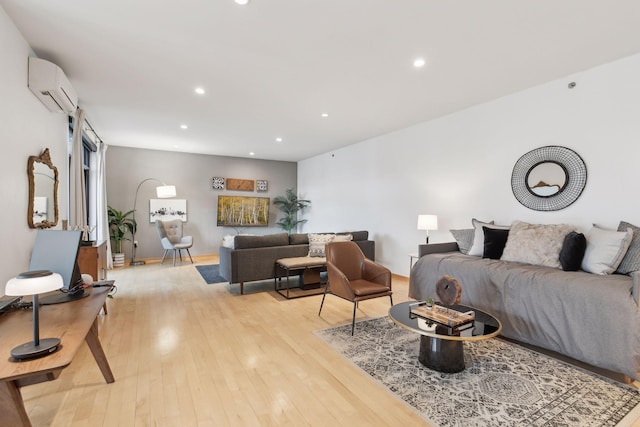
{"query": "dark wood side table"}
[(92, 260), (310, 268), (72, 322)]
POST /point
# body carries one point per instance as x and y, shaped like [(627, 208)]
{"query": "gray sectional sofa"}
[(589, 317), (253, 257)]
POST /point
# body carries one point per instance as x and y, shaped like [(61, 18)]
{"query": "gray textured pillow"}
[(536, 244), (464, 238), (631, 260)]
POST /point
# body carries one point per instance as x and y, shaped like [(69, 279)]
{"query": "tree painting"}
[(240, 211)]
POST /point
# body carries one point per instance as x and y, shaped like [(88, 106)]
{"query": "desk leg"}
[(98, 353), (12, 405)]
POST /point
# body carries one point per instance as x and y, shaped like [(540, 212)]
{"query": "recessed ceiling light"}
[(184, 127), (278, 139), (199, 90), (419, 62), (325, 114), (242, 2), (252, 153)]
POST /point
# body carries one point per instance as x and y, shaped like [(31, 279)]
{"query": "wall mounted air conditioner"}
[(51, 86)]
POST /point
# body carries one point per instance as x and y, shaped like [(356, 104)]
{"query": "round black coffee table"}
[(441, 349)]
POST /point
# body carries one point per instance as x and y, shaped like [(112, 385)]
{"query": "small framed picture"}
[(262, 185), (217, 183)]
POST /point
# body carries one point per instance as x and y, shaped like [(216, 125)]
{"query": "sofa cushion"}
[(494, 241), (299, 239), (572, 251), (342, 238), (464, 238), (537, 244), (477, 249), (605, 249), (357, 235), (317, 244), (631, 260), (246, 242)]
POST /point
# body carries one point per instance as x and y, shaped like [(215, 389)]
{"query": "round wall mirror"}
[(548, 178)]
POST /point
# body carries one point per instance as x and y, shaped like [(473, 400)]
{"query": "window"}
[(89, 149)]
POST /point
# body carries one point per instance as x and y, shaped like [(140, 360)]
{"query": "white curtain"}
[(102, 219), (77, 196)]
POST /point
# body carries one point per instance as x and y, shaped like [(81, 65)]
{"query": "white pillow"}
[(342, 238), (228, 241), (477, 249), (605, 249)]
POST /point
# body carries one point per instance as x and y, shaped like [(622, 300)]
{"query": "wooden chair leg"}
[(163, 256), (190, 255)]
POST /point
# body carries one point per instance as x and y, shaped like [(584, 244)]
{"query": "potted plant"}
[(429, 303), (119, 225), (290, 204)]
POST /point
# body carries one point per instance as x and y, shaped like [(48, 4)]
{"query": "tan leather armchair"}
[(354, 277)]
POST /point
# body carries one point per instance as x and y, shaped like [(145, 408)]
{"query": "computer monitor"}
[(57, 251)]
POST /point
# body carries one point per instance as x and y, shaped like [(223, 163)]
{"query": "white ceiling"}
[(271, 68)]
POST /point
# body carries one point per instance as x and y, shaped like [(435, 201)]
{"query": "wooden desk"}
[(72, 322)]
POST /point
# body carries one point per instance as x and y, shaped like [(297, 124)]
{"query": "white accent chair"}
[(170, 233)]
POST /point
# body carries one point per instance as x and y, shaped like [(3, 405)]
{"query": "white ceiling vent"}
[(48, 82)]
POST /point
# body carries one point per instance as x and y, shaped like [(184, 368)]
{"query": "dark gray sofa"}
[(254, 257), (589, 317)]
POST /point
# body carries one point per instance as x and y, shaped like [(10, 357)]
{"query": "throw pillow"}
[(317, 243), (494, 241), (342, 238), (605, 249), (537, 244), (464, 238), (477, 249), (631, 260), (572, 251), (228, 241)]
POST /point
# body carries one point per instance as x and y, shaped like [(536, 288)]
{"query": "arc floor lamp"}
[(163, 191)]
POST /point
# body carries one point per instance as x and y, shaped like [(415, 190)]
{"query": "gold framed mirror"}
[(43, 191)]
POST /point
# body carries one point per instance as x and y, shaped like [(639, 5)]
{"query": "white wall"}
[(459, 166), (191, 174), (27, 128)]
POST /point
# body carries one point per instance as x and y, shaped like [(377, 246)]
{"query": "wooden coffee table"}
[(442, 349)]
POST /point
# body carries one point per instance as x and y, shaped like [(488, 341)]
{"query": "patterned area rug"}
[(210, 273), (503, 384)]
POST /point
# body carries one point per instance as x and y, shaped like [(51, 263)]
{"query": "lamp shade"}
[(33, 283), (427, 222), (166, 191)]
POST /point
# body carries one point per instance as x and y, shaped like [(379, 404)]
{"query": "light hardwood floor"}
[(185, 353)]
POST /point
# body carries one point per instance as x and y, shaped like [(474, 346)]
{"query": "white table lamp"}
[(427, 222), (34, 283)]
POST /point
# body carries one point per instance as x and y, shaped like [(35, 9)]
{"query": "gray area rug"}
[(503, 384), (210, 273)]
